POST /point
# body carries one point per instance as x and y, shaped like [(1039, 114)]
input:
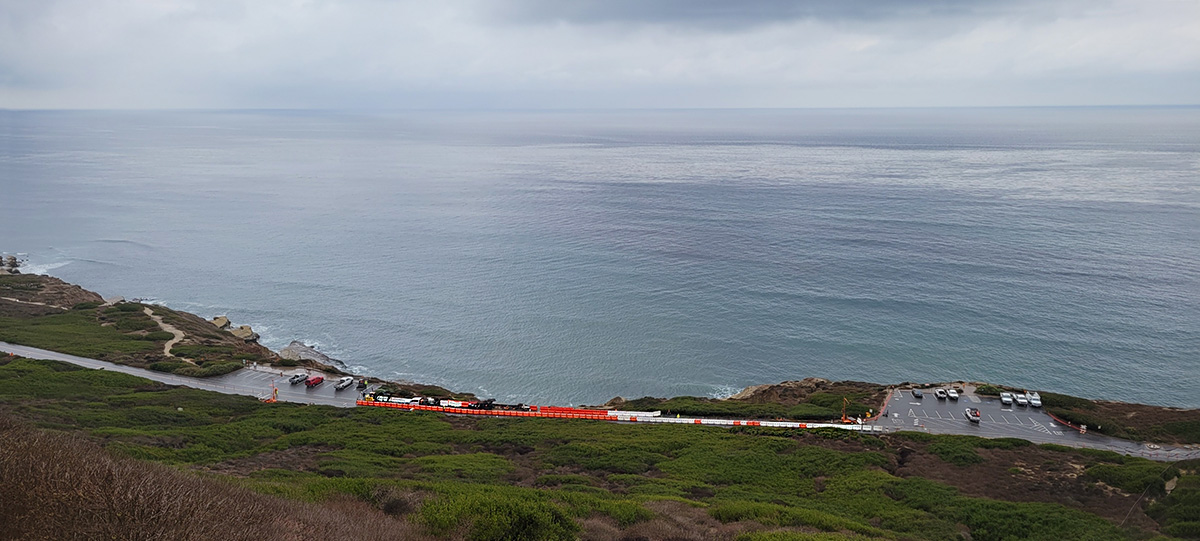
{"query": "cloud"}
[(541, 53)]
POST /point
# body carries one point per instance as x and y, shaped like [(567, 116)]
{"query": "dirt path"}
[(166, 327), (32, 302)]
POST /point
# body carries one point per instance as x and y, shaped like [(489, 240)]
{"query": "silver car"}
[(1006, 398)]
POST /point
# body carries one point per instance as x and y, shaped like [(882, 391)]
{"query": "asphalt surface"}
[(248, 381), (903, 412), (946, 416)]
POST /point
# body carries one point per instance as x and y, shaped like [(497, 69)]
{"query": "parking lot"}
[(947, 416)]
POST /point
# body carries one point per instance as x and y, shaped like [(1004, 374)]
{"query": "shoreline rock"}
[(299, 351)]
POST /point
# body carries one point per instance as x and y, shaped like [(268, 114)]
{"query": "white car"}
[(1035, 400), (1021, 400), (1006, 398), (343, 383), (952, 394), (940, 394)]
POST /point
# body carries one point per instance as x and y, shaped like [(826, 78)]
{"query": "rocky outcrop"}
[(299, 351), (245, 333), (786, 392)]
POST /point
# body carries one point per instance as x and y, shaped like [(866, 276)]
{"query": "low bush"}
[(1134, 476), (988, 390), (158, 336), (208, 370), (131, 323), (167, 366), (492, 514), (203, 352)]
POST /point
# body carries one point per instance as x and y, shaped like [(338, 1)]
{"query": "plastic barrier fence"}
[(654, 417)]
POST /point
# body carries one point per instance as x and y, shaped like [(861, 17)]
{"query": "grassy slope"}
[(537, 478)]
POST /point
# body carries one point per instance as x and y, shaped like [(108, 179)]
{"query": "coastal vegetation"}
[(413, 474)]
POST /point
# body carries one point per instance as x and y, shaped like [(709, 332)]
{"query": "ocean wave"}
[(42, 268)]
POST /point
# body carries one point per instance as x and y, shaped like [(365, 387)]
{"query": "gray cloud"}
[(539, 53), (718, 14)]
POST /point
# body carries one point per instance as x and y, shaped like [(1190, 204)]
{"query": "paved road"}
[(929, 414), (904, 412), (249, 382)]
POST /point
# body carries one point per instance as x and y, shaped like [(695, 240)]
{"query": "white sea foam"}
[(42, 268), (723, 391)]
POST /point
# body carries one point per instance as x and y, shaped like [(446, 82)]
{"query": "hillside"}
[(460, 478)]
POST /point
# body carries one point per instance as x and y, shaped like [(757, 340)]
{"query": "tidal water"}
[(570, 257)]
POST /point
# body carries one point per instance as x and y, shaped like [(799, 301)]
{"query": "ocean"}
[(569, 257)]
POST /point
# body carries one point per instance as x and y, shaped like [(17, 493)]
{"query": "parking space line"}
[(992, 418)]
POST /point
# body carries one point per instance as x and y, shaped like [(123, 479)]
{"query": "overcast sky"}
[(595, 53)]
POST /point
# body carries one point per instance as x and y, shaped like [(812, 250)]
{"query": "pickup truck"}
[(343, 383), (298, 378), (1035, 400)]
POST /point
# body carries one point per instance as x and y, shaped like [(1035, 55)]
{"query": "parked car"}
[(343, 383), (1035, 400), (314, 381), (297, 378), (362, 384), (972, 415), (940, 394), (917, 393), (952, 394), (1006, 398), (1021, 400)]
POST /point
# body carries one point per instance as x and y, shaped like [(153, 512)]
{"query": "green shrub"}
[(1187, 530), (86, 305), (124, 307), (497, 515), (198, 351), (988, 390), (130, 324), (74, 332), (1188, 431), (288, 362), (158, 336), (208, 370), (1133, 477), (167, 366)]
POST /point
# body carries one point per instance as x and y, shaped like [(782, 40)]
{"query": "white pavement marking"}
[(973, 398), (992, 418)]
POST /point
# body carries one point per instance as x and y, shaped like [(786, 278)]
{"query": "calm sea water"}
[(570, 257)]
